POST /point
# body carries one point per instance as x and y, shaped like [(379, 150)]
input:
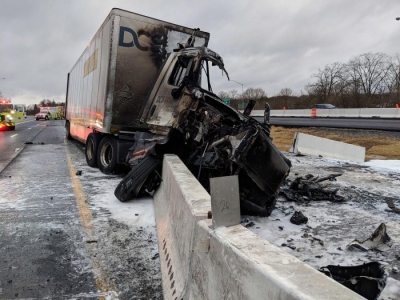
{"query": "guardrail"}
[(201, 262), (384, 113)]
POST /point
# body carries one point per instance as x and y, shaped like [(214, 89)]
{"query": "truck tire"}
[(107, 155), (67, 130), (92, 144), (130, 187)]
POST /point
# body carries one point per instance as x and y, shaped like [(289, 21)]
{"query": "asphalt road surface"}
[(56, 242), (12, 142)]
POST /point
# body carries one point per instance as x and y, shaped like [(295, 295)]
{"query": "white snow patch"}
[(379, 165), (138, 212)]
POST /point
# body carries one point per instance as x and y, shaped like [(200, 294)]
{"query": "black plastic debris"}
[(79, 172), (379, 240), (298, 218), (289, 246), (250, 224), (309, 188), (367, 280)]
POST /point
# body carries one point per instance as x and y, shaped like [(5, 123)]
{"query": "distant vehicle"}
[(6, 121), (8, 115), (46, 115), (323, 106), (54, 112)]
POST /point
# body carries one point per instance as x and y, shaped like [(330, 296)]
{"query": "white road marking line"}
[(14, 135)]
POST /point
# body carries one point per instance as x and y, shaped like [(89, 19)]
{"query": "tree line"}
[(32, 109), (368, 80)]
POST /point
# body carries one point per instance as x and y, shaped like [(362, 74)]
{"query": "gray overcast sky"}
[(267, 44)]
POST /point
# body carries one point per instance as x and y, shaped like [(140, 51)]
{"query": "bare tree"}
[(233, 94), (328, 82), (254, 94), (392, 82), (285, 94), (367, 72), (223, 95)]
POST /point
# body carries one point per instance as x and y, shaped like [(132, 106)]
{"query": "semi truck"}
[(142, 88)]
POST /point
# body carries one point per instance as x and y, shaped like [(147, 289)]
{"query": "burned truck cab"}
[(211, 138), (178, 87)]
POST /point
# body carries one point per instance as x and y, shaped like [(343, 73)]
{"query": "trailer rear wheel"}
[(92, 144), (131, 186), (107, 155)]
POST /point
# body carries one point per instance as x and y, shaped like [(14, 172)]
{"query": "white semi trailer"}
[(109, 86)]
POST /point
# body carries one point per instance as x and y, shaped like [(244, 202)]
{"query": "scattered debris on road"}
[(308, 188), (379, 240), (367, 280), (298, 218)]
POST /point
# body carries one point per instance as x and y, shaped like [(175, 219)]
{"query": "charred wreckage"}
[(211, 138)]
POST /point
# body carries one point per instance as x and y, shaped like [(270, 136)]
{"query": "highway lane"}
[(12, 142), (353, 123), (63, 234), (43, 253)]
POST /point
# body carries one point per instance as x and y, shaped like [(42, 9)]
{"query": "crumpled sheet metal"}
[(367, 280), (308, 188), (379, 240)]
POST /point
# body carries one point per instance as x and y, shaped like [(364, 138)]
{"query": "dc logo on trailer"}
[(134, 42)]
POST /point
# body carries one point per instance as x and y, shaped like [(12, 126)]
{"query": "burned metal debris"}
[(308, 188), (298, 218), (213, 140), (367, 280), (379, 240)]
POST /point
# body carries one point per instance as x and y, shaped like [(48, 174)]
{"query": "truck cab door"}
[(162, 110)]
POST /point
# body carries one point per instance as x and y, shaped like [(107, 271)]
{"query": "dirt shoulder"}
[(378, 144)]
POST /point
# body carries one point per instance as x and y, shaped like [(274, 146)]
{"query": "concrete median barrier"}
[(199, 262), (306, 144), (388, 113), (179, 204)]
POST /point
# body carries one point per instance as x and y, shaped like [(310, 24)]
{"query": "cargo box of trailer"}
[(108, 86)]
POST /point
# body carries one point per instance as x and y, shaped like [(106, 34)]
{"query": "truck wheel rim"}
[(106, 155)]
